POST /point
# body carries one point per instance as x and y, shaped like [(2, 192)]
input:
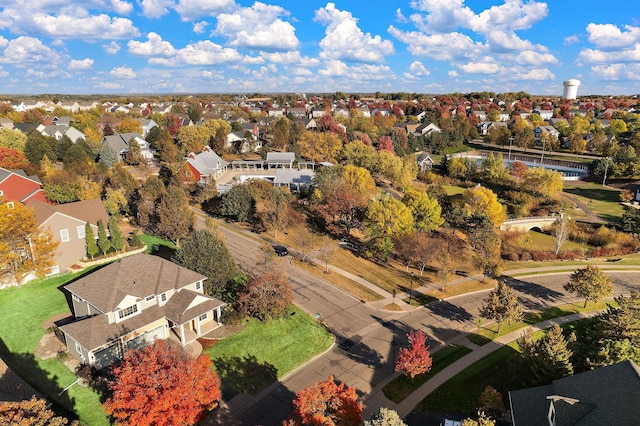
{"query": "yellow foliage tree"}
[(319, 146), (483, 201), (360, 179), (129, 125), (541, 181), (23, 248)]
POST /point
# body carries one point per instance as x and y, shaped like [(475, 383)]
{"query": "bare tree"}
[(304, 238), (327, 253), (560, 232)]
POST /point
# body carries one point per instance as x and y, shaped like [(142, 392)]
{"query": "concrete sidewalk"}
[(376, 399)]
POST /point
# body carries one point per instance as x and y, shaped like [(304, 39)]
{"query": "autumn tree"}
[(560, 233), (316, 146), (501, 305), (426, 211), (416, 358), (12, 138), (33, 412), (133, 156), (11, 158), (176, 220), (90, 241), (327, 404), (416, 248), (482, 420), (483, 201), (386, 219), (238, 203), (23, 247), (103, 240), (590, 283), (492, 404), (129, 125), (547, 358), (206, 253), (266, 296), (541, 181), (162, 385), (385, 417), (281, 130)]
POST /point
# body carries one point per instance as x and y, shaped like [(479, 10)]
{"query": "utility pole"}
[(606, 169)]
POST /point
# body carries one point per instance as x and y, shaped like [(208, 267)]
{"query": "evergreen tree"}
[(103, 240), (175, 217), (108, 155), (133, 155), (501, 305), (117, 241), (91, 244), (548, 358)]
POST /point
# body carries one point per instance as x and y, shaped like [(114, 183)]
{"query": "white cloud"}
[(360, 72), (534, 74), (154, 46), (81, 64), (109, 85), (417, 69), (446, 47), (27, 52), (453, 73), (609, 36), (572, 39), (201, 53), (608, 57), (530, 57), (258, 26), (71, 23), (345, 40), (200, 27), (511, 15), (480, 67), (123, 72), (111, 48), (155, 8), (190, 10), (617, 71), (400, 17), (291, 57), (442, 15)]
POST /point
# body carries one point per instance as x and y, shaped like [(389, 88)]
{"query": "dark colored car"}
[(281, 250)]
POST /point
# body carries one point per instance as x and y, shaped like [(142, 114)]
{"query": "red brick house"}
[(201, 167)]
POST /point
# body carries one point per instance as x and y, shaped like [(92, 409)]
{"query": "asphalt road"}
[(367, 339)]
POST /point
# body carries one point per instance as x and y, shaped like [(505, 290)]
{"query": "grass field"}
[(401, 387), (23, 311), (600, 200), (264, 352)]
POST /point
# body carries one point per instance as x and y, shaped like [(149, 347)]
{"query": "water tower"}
[(570, 88)]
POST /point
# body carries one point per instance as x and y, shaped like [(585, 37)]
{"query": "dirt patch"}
[(49, 346)]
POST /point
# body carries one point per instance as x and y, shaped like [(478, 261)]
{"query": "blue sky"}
[(233, 46)]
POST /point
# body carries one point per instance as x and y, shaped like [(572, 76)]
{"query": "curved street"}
[(367, 338)]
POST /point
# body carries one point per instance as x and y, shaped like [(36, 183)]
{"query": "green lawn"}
[(601, 200), (23, 311), (264, 352), (401, 387), (165, 248)]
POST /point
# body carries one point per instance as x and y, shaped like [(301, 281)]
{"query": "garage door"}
[(107, 356), (146, 338)]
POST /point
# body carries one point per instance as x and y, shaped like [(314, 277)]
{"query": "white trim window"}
[(10, 205), (78, 348), (163, 297), (128, 311), (64, 235), (203, 316), (81, 233), (198, 285), (149, 298)]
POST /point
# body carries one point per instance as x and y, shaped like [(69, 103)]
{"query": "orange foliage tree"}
[(162, 386), (267, 296), (30, 413), (11, 158), (416, 358), (327, 404)]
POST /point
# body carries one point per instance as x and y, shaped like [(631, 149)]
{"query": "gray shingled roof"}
[(140, 275), (604, 396)]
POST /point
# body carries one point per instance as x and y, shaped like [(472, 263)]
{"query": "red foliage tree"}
[(11, 158), (174, 124), (416, 358), (161, 385), (327, 404), (385, 144), (266, 296)]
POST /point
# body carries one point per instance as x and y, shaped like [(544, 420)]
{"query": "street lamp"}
[(510, 142), (410, 288)]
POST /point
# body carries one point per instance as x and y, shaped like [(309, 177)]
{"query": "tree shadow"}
[(537, 293), (25, 366), (245, 374), (450, 311), (358, 351)]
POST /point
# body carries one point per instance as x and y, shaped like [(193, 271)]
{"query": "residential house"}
[(66, 222), (295, 180), (308, 123), (274, 112), (545, 114), (16, 186), (133, 302), (364, 111), (604, 396), (540, 130), (283, 160), (425, 162), (202, 167), (120, 144), (108, 121), (480, 115), (408, 126), (298, 112), (58, 131), (318, 113), (6, 123), (485, 126), (243, 141), (425, 129), (146, 124)]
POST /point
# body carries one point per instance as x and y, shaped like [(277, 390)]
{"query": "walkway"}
[(377, 399)]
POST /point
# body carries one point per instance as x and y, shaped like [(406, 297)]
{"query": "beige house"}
[(133, 302), (66, 222)]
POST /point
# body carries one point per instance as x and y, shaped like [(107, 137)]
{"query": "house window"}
[(10, 205), (78, 348), (1, 193), (149, 298), (203, 316), (76, 297), (123, 313), (163, 297), (80, 231), (188, 173), (198, 285), (64, 235)]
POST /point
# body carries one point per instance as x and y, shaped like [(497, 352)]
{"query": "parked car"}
[(281, 250)]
